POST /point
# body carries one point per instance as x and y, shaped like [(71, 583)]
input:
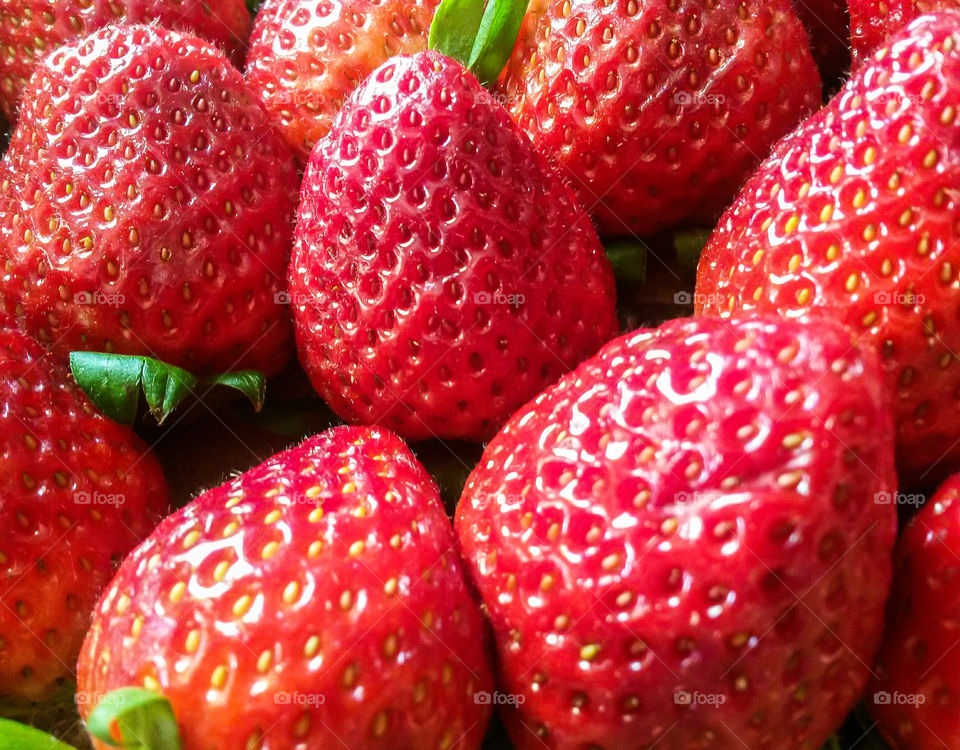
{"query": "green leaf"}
[(479, 34), (143, 720), (629, 261), (689, 243), (251, 383), (496, 38), (454, 28), (14, 736), (114, 383)]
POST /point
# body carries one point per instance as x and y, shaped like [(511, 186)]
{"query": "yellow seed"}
[(312, 647), (836, 174), (269, 550), (931, 159), (860, 199), (177, 592), (792, 223), (826, 213), (273, 516), (191, 539), (265, 661), (314, 549), (193, 641), (870, 156), (590, 652), (315, 515), (852, 282), (803, 296), (220, 572), (356, 548), (219, 677), (291, 593), (242, 605)]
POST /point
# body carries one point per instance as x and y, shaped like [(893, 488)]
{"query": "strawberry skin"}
[(316, 600), (78, 493), (442, 273), (872, 21), (307, 56), (855, 216), (689, 513), (30, 30), (917, 685), (149, 206), (660, 110)]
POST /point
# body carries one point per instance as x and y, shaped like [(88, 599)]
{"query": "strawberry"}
[(660, 110), (917, 680), (29, 31), (78, 493), (872, 21), (678, 544), (855, 216), (315, 600), (307, 56), (442, 273), (149, 206)]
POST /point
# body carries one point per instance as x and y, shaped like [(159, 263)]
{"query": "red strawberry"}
[(678, 544), (77, 493), (315, 601), (855, 215), (442, 273), (872, 21), (31, 29), (150, 206), (659, 110), (914, 695), (307, 56), (828, 23)]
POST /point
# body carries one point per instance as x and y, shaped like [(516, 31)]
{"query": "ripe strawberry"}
[(149, 207), (442, 272), (315, 600), (678, 544), (872, 21), (917, 685), (855, 215), (78, 493), (307, 56), (660, 110), (29, 31)]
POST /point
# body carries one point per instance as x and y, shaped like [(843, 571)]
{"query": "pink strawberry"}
[(855, 216), (315, 600), (31, 29), (307, 56), (442, 273), (660, 110), (917, 686), (149, 206), (872, 21), (77, 493), (678, 544)]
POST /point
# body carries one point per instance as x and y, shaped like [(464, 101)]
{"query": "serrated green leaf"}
[(251, 383), (496, 38), (629, 261), (165, 387), (112, 381), (143, 719), (454, 28), (14, 736)]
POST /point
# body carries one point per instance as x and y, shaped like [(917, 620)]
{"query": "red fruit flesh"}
[(872, 21), (78, 493), (150, 206), (679, 543), (855, 216), (657, 113), (31, 30), (315, 600), (917, 682), (442, 273), (307, 56)]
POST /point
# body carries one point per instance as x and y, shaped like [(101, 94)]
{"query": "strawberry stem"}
[(480, 35), (135, 719)]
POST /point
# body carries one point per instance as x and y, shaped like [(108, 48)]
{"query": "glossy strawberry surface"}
[(916, 689), (872, 21), (307, 56), (315, 601), (31, 29), (442, 273), (148, 206), (77, 493), (679, 544), (855, 216), (658, 111)]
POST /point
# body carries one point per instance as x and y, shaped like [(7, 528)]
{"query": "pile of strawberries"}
[(682, 536)]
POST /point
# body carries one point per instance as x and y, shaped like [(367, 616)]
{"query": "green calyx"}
[(130, 718), (114, 383), (479, 34)]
